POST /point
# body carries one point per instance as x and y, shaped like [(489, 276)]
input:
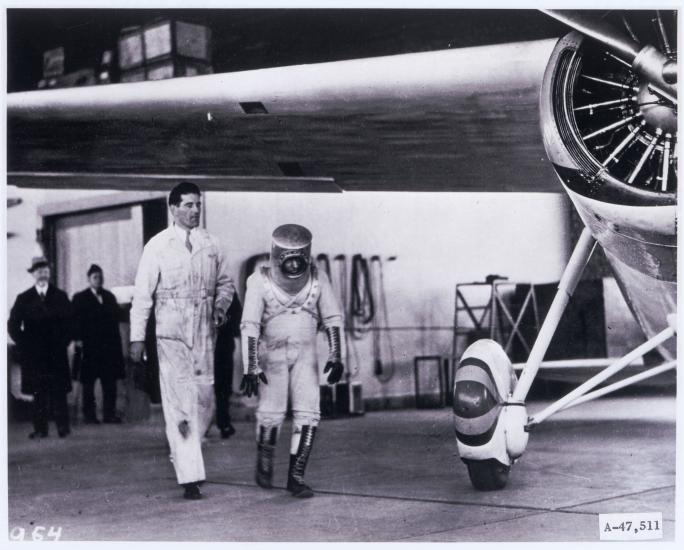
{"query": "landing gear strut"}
[(490, 417)]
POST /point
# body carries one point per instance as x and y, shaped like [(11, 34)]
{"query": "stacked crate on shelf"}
[(131, 55), (164, 49), (55, 75)]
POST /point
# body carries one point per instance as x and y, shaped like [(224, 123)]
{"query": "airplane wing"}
[(451, 120)]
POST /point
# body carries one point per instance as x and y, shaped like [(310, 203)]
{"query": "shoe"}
[(192, 491), (227, 431), (295, 475), (88, 419), (112, 420), (38, 435), (63, 432)]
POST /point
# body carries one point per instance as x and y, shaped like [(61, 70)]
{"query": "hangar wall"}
[(439, 239)]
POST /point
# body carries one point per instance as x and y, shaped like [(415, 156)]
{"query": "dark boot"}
[(265, 452), (295, 477), (192, 491)]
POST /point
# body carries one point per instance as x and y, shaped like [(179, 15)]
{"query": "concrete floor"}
[(386, 476)]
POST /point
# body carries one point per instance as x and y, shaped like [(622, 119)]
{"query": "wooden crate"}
[(177, 39), (131, 48), (171, 67)]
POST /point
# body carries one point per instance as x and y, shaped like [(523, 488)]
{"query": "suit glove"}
[(336, 369), (250, 383)]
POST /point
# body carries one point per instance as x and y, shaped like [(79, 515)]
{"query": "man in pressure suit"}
[(285, 304), (183, 273)]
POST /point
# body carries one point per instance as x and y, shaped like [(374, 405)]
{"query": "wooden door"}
[(111, 238)]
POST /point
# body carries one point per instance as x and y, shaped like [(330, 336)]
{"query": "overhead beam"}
[(163, 182)]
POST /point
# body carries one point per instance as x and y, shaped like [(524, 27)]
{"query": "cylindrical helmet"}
[(291, 256)]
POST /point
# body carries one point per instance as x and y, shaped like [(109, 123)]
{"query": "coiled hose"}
[(362, 305)]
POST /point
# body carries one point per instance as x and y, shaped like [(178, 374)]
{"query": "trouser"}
[(108, 385), (48, 400), (222, 396), (292, 371), (223, 387), (186, 398)]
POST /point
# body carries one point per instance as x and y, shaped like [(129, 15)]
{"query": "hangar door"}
[(111, 238)]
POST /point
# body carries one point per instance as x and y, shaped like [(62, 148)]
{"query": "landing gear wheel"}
[(488, 475)]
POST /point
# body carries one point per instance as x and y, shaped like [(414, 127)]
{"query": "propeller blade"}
[(647, 61)]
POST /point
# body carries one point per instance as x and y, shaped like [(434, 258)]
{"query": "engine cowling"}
[(608, 133), (613, 143)]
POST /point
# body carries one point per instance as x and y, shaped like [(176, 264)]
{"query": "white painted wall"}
[(439, 239)]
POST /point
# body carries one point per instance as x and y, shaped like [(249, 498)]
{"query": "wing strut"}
[(610, 388), (580, 393)]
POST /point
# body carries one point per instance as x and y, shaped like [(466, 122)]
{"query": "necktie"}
[(188, 244)]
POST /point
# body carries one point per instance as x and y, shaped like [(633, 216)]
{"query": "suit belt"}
[(185, 294)]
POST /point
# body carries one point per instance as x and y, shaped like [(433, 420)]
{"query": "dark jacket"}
[(42, 331), (97, 325)]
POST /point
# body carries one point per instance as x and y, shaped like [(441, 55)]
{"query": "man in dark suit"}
[(41, 324), (97, 324), (223, 367)]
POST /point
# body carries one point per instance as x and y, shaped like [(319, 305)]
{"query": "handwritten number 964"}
[(37, 533)]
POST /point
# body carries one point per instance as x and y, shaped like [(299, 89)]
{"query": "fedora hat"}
[(36, 262)]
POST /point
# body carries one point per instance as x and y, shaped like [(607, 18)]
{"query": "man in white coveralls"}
[(183, 273), (285, 304)]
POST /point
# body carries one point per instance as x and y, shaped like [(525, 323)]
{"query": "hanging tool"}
[(323, 262), (384, 372), (362, 305), (340, 263)]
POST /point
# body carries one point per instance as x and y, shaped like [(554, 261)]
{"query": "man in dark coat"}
[(223, 367), (41, 324), (97, 324)]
